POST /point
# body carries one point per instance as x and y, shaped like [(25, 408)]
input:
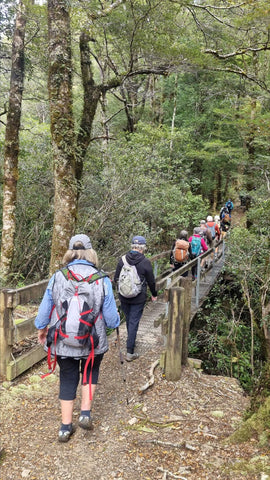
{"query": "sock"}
[(86, 413), (66, 427)]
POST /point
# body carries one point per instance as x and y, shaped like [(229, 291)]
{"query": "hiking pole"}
[(121, 361)]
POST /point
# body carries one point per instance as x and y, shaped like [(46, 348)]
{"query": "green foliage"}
[(135, 189), (258, 425), (34, 214), (249, 262), (261, 389), (221, 336)]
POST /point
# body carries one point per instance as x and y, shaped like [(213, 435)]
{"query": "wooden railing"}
[(175, 288), (14, 330), (178, 295)]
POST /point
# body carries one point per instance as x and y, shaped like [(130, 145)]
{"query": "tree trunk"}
[(11, 152), (92, 95), (62, 128)]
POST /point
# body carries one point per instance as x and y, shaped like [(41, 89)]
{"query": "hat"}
[(202, 222), (209, 218), (84, 239), (138, 240)]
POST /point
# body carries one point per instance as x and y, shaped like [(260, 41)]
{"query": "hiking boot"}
[(85, 422), (131, 356), (64, 435)]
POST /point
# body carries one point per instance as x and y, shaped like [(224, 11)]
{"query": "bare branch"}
[(102, 137), (106, 11), (244, 74), (214, 7), (242, 51), (118, 80)]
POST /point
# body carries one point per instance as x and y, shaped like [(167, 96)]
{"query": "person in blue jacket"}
[(229, 205), (82, 260)]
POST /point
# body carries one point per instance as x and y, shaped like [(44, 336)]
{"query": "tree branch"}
[(106, 11), (118, 80), (244, 74), (237, 52), (214, 7)]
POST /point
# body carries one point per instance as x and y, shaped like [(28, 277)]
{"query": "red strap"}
[(90, 358), (71, 274), (88, 278), (51, 366)]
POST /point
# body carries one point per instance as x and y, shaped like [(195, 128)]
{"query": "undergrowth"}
[(220, 336)]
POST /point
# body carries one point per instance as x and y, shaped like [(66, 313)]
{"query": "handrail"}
[(11, 298), (173, 277)]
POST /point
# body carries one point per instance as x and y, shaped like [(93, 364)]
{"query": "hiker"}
[(225, 220), (133, 300), (205, 232), (214, 228), (229, 205), (224, 212), (225, 223), (68, 350), (215, 232), (217, 220), (180, 252), (198, 246)]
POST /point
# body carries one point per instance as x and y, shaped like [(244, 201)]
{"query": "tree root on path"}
[(167, 473), (183, 444), (151, 379)]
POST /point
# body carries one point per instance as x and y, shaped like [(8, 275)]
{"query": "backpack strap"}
[(124, 260), (70, 275)]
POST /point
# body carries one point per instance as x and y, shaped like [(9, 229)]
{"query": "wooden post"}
[(6, 333), (174, 337), (186, 283)]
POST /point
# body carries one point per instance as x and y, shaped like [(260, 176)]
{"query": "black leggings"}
[(70, 370)]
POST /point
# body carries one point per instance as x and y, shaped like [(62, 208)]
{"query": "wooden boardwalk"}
[(150, 337)]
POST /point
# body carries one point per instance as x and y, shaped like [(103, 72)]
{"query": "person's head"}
[(80, 248), (196, 230), (216, 218), (209, 218), (183, 234), (202, 222), (138, 243)]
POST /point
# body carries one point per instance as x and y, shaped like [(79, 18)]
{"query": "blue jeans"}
[(133, 314)]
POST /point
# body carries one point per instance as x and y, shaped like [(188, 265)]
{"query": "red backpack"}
[(180, 251)]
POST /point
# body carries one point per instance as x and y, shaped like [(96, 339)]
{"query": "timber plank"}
[(26, 361), (21, 296), (24, 329)]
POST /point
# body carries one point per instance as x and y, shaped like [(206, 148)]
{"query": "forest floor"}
[(173, 430)]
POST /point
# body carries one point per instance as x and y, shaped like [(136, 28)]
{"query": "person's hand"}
[(42, 334), (153, 299)]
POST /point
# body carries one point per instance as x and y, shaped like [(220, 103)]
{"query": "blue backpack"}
[(212, 230), (196, 246)]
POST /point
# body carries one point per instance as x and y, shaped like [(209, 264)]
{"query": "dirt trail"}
[(190, 418), (173, 430)]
